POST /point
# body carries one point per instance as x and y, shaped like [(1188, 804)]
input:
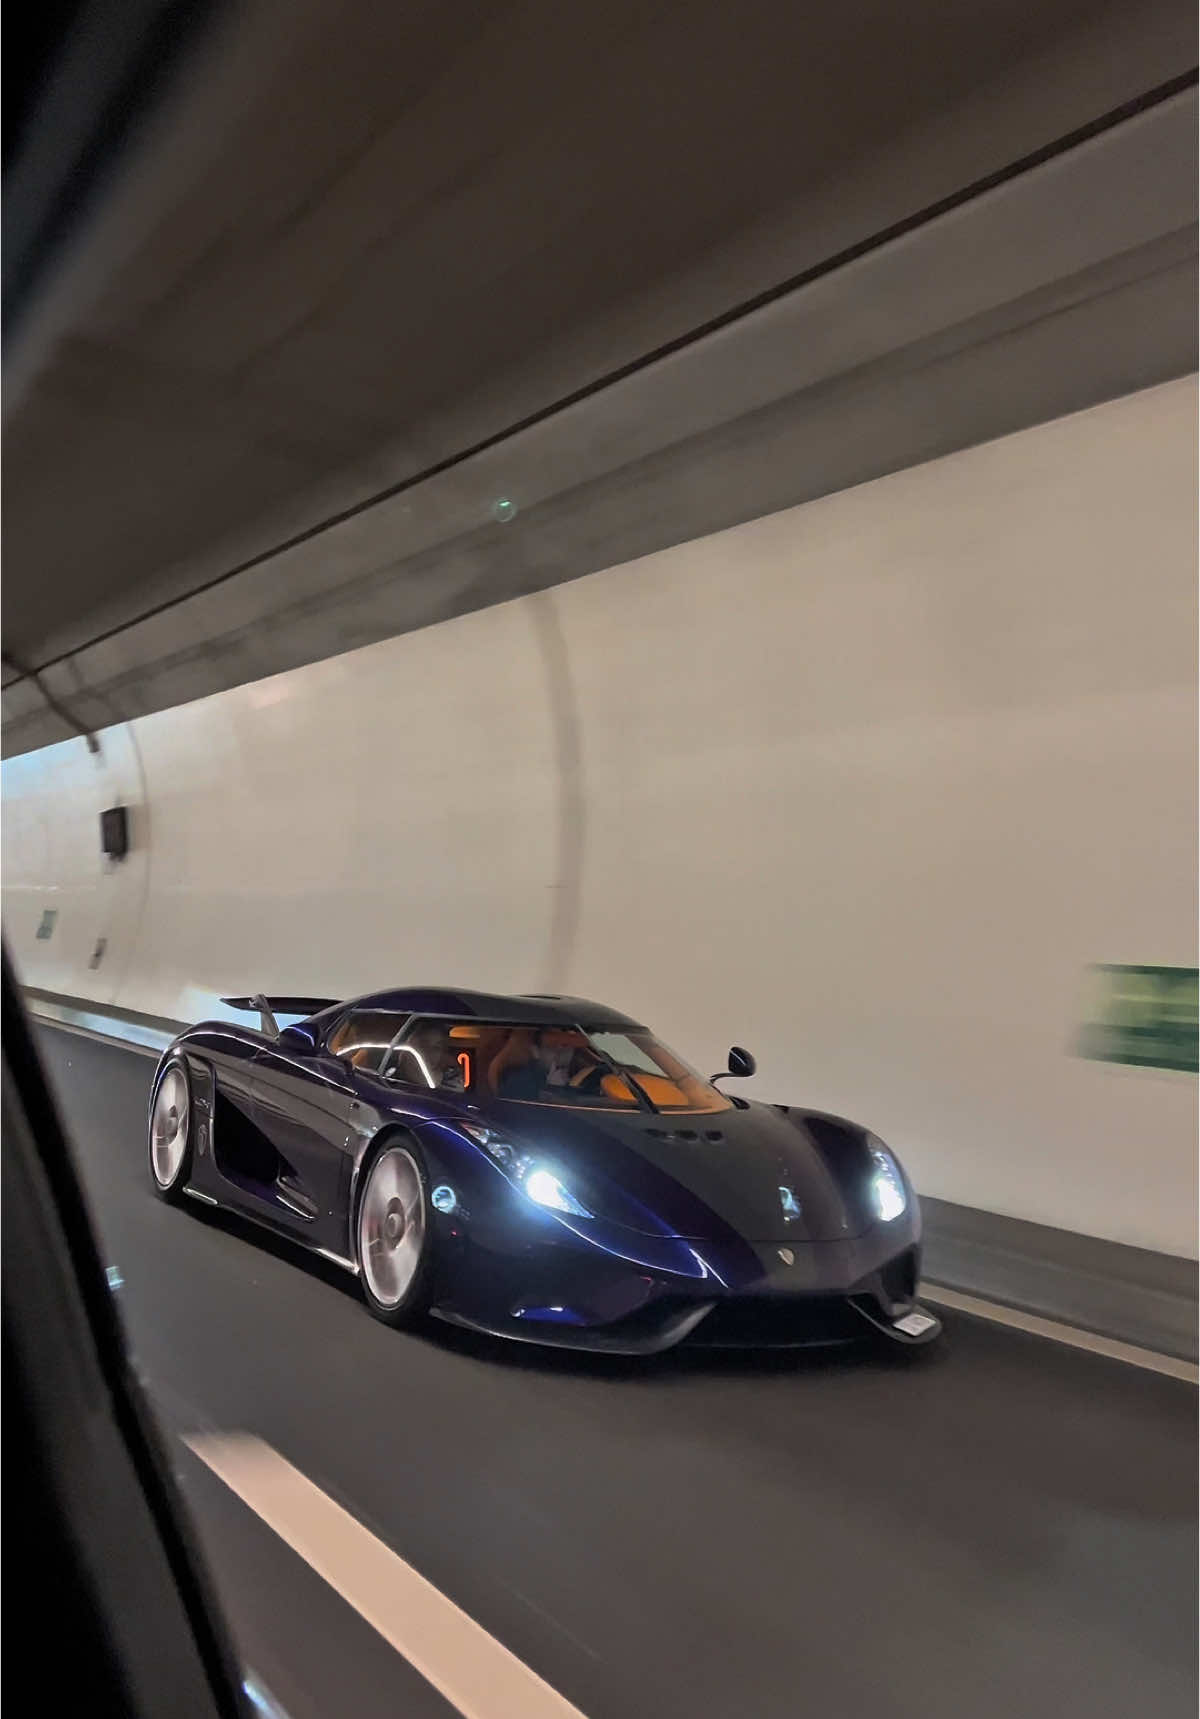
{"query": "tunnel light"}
[(887, 1184)]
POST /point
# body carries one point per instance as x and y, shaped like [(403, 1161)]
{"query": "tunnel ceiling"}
[(365, 243)]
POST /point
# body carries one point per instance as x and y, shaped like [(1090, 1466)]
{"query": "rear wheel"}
[(170, 1131), (392, 1234)]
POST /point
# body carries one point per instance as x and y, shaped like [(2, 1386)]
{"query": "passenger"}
[(559, 1066)]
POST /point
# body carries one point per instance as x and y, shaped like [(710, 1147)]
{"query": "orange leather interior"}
[(615, 1088), (662, 1092), (516, 1051), (362, 1037)]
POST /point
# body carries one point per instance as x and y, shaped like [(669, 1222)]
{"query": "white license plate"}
[(915, 1324)]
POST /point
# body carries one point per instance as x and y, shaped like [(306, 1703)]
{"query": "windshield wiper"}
[(642, 1097)]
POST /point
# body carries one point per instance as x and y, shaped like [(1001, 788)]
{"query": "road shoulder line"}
[(1055, 1332), (476, 1673)]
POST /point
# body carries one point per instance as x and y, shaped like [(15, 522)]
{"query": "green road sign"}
[(1142, 1015)]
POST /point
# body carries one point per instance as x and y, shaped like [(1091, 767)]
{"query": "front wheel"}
[(170, 1142), (391, 1235)]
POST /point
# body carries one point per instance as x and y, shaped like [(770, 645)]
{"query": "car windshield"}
[(548, 1064)]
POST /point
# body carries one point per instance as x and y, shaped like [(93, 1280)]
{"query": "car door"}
[(226, 1110), (305, 1104)]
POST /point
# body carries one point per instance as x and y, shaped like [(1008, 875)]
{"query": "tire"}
[(169, 1131), (393, 1243)]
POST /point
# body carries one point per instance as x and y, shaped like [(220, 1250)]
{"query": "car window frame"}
[(392, 1073), (641, 1100), (397, 1044), (347, 1015)]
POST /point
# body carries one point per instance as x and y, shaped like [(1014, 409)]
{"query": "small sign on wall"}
[(1144, 1016)]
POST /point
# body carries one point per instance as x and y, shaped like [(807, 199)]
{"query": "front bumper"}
[(745, 1323), (803, 1297)]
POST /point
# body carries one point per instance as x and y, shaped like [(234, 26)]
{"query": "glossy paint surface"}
[(679, 1214)]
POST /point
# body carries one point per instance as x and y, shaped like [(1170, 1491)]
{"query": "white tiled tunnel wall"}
[(866, 785)]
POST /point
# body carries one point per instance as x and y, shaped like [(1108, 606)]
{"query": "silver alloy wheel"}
[(391, 1226), (169, 1127)]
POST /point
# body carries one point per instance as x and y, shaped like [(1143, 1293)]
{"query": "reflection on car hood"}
[(766, 1172)]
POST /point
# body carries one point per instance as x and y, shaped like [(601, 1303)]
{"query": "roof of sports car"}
[(491, 1006)]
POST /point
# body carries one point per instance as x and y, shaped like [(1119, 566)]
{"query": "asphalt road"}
[(1007, 1527)]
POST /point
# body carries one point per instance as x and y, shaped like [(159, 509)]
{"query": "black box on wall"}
[(114, 832)]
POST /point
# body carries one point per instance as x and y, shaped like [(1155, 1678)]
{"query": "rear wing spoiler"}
[(266, 1008)]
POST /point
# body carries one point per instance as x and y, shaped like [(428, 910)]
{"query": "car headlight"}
[(545, 1189), (888, 1197), (535, 1179)]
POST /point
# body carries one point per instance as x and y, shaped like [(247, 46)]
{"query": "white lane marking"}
[(476, 1673), (1072, 1334)]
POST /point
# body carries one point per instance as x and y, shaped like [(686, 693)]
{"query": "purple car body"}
[(735, 1223)]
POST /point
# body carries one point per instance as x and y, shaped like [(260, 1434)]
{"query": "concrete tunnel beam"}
[(998, 313), (373, 241)]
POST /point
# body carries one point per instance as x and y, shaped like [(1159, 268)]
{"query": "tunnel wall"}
[(867, 785)]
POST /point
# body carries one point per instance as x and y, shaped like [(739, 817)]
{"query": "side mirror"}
[(741, 1065)]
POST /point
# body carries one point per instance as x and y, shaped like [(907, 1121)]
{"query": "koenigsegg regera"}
[(541, 1168)]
